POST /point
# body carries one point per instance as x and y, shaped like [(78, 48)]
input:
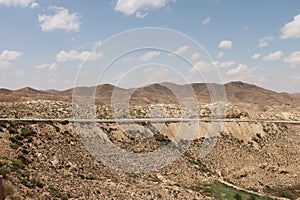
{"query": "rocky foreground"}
[(47, 160)]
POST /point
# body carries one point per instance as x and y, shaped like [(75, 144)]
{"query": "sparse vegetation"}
[(3, 169), (288, 192), (237, 196), (221, 191), (17, 165), (55, 193), (23, 160), (161, 138), (27, 133), (49, 154), (19, 137), (64, 198), (202, 166), (82, 176), (31, 183), (15, 141), (252, 198)]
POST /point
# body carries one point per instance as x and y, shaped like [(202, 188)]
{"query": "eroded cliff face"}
[(45, 160)]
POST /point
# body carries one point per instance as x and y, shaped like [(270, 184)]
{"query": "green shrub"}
[(55, 193), (16, 165), (31, 183), (19, 137), (3, 172), (23, 160), (2, 164), (221, 191), (237, 196), (26, 132), (64, 198), (3, 169), (20, 163), (15, 141)]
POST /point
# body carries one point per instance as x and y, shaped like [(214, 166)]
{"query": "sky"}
[(59, 44)]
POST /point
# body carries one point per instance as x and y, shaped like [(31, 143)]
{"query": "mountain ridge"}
[(236, 92)]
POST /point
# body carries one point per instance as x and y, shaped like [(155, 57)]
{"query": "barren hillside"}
[(250, 160)]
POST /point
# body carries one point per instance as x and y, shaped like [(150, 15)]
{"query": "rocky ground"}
[(46, 160)]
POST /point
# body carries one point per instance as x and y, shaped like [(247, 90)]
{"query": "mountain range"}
[(236, 93)]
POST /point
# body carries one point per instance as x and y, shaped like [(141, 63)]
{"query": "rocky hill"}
[(236, 93), (250, 160)]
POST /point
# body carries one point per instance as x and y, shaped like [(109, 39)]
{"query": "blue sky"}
[(44, 43)]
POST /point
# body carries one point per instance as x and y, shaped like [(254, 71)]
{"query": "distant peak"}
[(27, 89)]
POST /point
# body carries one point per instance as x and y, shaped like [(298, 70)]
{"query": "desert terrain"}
[(251, 159)]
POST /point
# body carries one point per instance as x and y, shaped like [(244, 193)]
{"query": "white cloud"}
[(242, 72), (61, 20), (264, 42), (149, 55), (201, 67), (10, 55), (220, 55), (256, 56), (206, 21), (293, 60), (141, 15), (291, 29), (47, 66), (139, 7), (196, 56), (225, 64), (273, 56), (225, 44), (19, 3), (98, 43), (34, 5), (145, 57), (7, 56), (179, 51), (73, 55)]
